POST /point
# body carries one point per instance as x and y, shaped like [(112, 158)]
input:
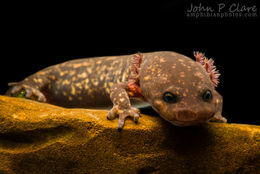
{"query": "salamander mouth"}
[(190, 123)]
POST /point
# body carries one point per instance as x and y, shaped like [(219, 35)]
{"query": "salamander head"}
[(178, 88)]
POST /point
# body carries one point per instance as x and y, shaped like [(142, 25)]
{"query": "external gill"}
[(208, 65)]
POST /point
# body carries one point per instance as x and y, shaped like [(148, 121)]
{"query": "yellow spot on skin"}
[(102, 77), (73, 91), (42, 73), (120, 95), (64, 93), (82, 75), (89, 70), (187, 90), (73, 78), (86, 87), (52, 77), (65, 82), (147, 77), (86, 81), (158, 102), (40, 80), (78, 85), (72, 73), (107, 90), (197, 74), (217, 101), (77, 65), (160, 105), (162, 60), (99, 62), (62, 73), (153, 71), (111, 94), (164, 79), (180, 60), (85, 64), (111, 84), (94, 82), (121, 99), (184, 94), (182, 74)]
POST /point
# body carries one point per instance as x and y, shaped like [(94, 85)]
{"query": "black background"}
[(40, 35)]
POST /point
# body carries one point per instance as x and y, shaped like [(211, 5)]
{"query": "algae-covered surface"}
[(42, 138)]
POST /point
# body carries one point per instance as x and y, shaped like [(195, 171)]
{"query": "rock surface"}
[(42, 138)]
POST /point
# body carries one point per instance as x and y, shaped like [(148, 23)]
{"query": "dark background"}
[(40, 35)]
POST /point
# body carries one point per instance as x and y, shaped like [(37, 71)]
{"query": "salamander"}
[(180, 89)]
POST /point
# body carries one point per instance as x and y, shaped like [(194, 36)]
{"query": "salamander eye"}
[(169, 97), (207, 96)]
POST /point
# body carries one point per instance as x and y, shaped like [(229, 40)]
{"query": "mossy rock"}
[(42, 138)]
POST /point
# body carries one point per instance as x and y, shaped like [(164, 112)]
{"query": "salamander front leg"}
[(122, 106), (218, 117)]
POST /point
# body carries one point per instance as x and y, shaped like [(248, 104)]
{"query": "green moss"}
[(21, 94)]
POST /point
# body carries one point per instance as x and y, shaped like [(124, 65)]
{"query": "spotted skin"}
[(106, 81)]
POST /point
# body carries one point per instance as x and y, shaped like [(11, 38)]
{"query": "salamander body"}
[(180, 89)]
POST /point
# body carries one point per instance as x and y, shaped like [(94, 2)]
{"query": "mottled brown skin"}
[(93, 83)]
